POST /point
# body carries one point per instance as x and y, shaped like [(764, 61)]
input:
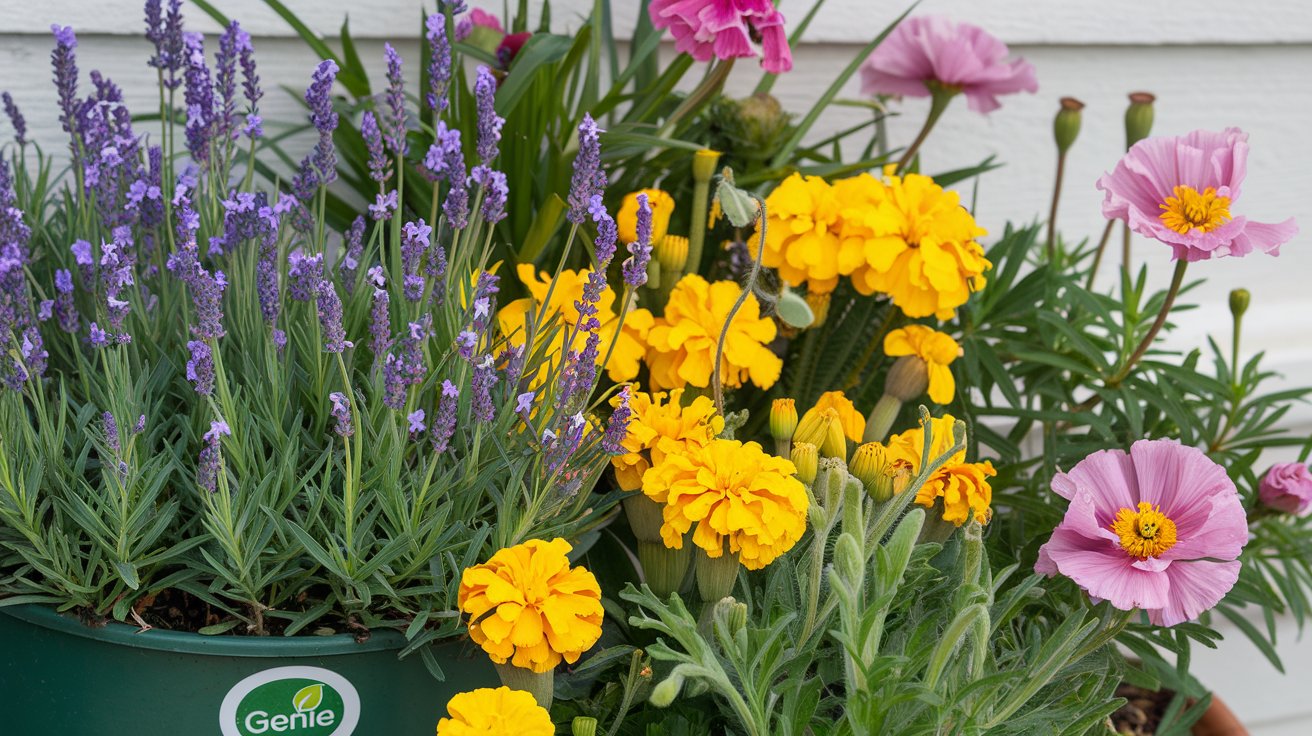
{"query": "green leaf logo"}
[(308, 697)]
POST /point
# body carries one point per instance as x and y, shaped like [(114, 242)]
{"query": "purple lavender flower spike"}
[(140, 426), (65, 310), (380, 326), (266, 276), (635, 267), (98, 337), (330, 316), (33, 353), (318, 96), (207, 467), (64, 62), (561, 447), (444, 423), (607, 232), (380, 166), (250, 85), (456, 206), (341, 411), (155, 32), (200, 367), (439, 65), (617, 429), (524, 404), (350, 263), (173, 46), (489, 123), (589, 180), (16, 119), (225, 81), (435, 270), (396, 126), (110, 427), (303, 274), (207, 296), (466, 341), (495, 193), (445, 155), (485, 377), (199, 98)]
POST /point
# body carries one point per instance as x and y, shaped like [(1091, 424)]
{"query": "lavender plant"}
[(214, 397)]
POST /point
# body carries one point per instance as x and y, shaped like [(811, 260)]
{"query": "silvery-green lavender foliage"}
[(207, 389)]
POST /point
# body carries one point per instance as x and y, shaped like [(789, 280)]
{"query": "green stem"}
[(1052, 214), (1177, 280), (716, 380), (1097, 255), (939, 100)]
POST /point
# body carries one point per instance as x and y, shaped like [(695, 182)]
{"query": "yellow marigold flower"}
[(853, 421), (630, 345), (527, 606), (963, 486), (626, 220), (495, 712), (732, 491), (802, 235), (920, 247), (681, 344), (658, 428), (935, 348)]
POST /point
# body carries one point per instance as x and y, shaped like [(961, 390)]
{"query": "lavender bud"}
[(330, 317), (200, 367), (396, 142), (444, 424), (439, 64), (489, 123), (341, 411), (495, 193), (589, 180)]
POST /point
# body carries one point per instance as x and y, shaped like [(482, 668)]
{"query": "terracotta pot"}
[(1219, 720)]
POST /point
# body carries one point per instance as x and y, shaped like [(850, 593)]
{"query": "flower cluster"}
[(682, 341), (962, 487), (904, 236)]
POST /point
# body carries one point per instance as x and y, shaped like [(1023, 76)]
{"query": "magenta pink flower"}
[(1287, 487), (1180, 190), (928, 51), (1159, 529), (725, 29)]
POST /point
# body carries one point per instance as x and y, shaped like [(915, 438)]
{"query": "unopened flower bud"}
[(1138, 117), (667, 690), (1066, 127), (824, 429), (908, 379), (733, 613), (819, 304), (583, 726), (870, 464), (1239, 299), (704, 163), (783, 418), (672, 253), (807, 460), (850, 559)]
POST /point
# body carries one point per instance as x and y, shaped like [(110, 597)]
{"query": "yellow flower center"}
[(1189, 209), (1146, 532)]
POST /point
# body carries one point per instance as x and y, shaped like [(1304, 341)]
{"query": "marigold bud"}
[(667, 690), (672, 254), (908, 379), (850, 560), (783, 418), (732, 613), (1066, 127), (583, 726), (871, 465), (704, 163), (1138, 117), (1239, 299), (807, 460), (824, 429)]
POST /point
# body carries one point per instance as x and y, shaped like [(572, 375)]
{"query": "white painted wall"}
[(1211, 63)]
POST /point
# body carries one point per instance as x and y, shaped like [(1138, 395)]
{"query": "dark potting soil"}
[(1142, 712), (177, 610)]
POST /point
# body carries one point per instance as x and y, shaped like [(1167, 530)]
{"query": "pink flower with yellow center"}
[(1182, 190), (932, 53), (1159, 528), (726, 29)]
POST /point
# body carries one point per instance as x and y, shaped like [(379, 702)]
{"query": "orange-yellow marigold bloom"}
[(495, 712), (732, 492), (527, 606), (658, 428), (625, 359), (626, 220), (920, 247), (802, 235), (681, 344), (963, 486), (935, 348)]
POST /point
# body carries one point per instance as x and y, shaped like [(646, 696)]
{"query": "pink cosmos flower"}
[(1159, 529), (1287, 487), (1179, 190), (933, 50), (725, 29)]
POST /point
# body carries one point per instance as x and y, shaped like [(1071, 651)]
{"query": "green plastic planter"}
[(59, 677)]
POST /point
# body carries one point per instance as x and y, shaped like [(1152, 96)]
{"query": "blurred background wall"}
[(1211, 64)]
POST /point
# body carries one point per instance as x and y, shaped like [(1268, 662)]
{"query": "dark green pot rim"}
[(216, 646)]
